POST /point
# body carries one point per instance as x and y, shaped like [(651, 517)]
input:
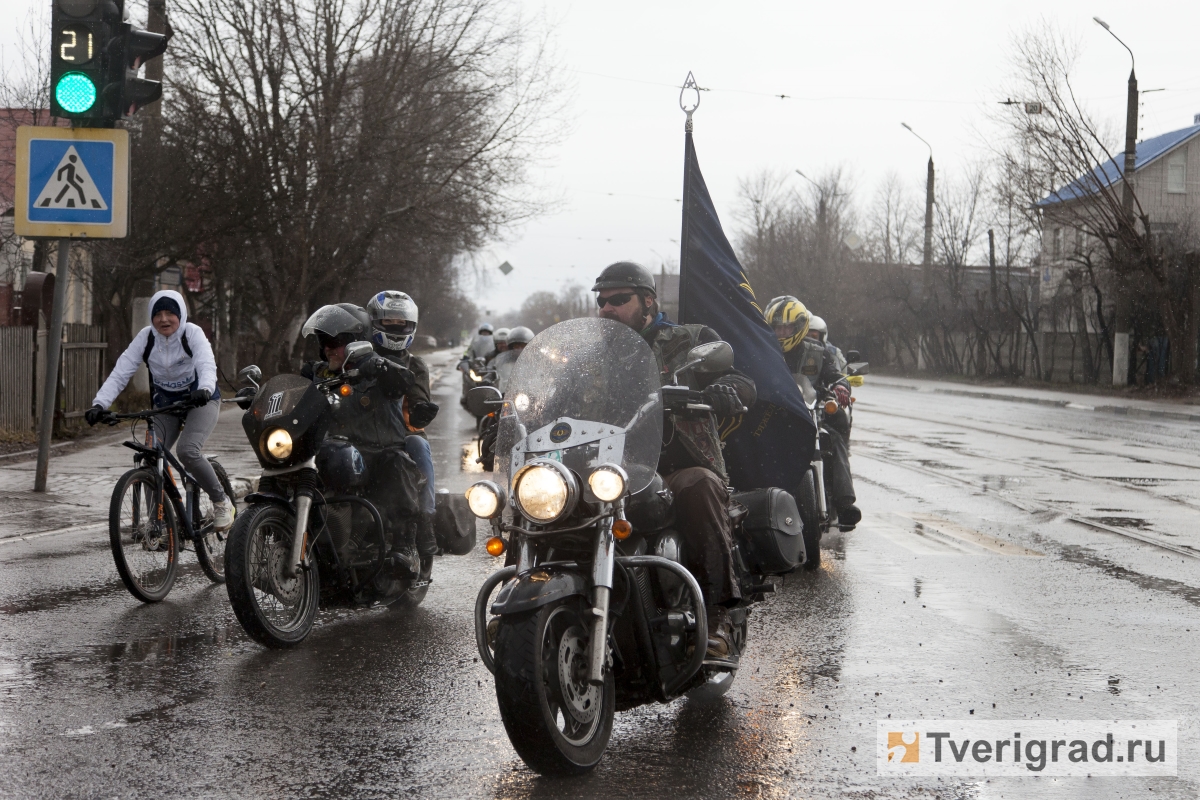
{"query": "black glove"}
[(723, 399), (421, 413), (94, 414), (245, 396), (199, 397), (394, 379), (308, 369), (372, 366)]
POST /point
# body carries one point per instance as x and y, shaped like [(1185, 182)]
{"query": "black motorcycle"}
[(308, 536), (813, 497), (596, 612)]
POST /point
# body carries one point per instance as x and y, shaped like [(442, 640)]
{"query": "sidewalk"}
[(1104, 404), (80, 484)]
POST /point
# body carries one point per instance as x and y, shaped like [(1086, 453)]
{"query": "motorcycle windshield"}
[(584, 392)]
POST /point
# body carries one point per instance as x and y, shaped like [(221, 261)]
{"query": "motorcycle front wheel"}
[(557, 722), (275, 610)]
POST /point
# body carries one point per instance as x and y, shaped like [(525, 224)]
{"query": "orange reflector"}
[(495, 546), (344, 390), (622, 529), (831, 407), (853, 400)]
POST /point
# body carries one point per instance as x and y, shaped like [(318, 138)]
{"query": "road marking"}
[(953, 530), (72, 529)]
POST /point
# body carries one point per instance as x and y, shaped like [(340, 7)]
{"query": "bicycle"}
[(146, 507)]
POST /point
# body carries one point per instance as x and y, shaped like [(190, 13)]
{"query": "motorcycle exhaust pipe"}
[(303, 507)]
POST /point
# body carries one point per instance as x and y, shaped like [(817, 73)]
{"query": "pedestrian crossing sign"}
[(72, 183)]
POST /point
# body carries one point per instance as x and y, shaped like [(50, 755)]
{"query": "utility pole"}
[(53, 358), (1122, 301), (927, 252)]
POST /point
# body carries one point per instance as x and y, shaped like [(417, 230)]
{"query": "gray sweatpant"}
[(200, 422)]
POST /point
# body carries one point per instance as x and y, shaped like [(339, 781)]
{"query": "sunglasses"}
[(615, 300), (335, 341)]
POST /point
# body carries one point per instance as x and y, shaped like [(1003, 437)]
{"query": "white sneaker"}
[(222, 515)]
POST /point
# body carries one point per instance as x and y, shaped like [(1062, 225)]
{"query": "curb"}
[(1125, 411)]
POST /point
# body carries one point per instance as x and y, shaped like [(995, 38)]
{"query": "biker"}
[(481, 348), (393, 326), (500, 340), (182, 368), (792, 323), (371, 418), (517, 339), (822, 331), (691, 461)]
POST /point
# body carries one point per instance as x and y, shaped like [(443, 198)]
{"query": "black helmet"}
[(626, 275), (337, 324)]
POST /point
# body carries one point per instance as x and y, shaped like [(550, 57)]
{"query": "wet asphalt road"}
[(1015, 561)]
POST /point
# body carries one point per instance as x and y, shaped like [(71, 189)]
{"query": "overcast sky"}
[(854, 71)]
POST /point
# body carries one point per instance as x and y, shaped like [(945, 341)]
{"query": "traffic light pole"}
[(53, 356)]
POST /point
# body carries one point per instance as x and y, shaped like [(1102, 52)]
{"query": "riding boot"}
[(720, 633), (403, 549), (427, 544)]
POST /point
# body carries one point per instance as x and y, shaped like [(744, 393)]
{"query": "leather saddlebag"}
[(772, 532)]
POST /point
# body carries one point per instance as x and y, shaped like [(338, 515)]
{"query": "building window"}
[(1177, 172), (1057, 247), (1079, 241)]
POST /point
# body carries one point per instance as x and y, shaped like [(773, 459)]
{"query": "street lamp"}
[(822, 232), (1121, 336), (927, 253)]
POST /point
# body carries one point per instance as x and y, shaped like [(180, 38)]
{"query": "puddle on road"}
[(1123, 522)]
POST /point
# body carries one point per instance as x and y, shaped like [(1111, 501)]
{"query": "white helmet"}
[(501, 335), (393, 320), (520, 335), (817, 324)]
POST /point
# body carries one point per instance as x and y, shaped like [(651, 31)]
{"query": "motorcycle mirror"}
[(482, 399), (853, 355), (711, 357), (860, 368), (251, 373), (357, 351)]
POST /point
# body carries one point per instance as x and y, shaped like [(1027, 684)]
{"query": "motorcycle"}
[(476, 373), (813, 497), (595, 611), (309, 537)]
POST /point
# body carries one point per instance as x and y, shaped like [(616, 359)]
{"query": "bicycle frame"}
[(184, 506)]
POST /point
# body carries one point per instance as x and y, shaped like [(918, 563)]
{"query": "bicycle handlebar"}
[(112, 418)]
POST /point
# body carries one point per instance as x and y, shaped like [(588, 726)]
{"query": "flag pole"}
[(688, 83)]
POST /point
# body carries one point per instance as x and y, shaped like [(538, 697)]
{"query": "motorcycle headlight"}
[(279, 444), (485, 500), (607, 483), (545, 490), (475, 376)]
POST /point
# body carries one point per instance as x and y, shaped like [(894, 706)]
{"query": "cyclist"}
[(182, 368)]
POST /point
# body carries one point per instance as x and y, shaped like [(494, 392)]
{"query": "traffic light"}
[(82, 40), (95, 61), (138, 47)]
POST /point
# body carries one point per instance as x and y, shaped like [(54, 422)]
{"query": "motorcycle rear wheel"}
[(557, 722), (275, 610), (144, 536), (210, 548)]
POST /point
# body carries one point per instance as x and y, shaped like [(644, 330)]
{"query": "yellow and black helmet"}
[(790, 319)]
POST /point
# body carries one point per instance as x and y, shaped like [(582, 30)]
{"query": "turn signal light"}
[(495, 546), (622, 529), (344, 390), (831, 407)]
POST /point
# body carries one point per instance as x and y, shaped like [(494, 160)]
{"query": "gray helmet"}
[(398, 309), (520, 335), (817, 324), (626, 275), (486, 329), (337, 324), (501, 335)]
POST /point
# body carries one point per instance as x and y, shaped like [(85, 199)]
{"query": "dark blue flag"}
[(773, 444)]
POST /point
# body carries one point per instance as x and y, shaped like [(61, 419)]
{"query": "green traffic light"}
[(75, 93)]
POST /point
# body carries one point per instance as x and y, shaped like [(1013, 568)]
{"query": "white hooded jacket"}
[(172, 369)]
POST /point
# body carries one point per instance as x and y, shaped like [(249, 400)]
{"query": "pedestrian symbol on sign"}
[(71, 186)]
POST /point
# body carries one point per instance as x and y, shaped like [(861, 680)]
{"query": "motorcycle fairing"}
[(540, 587)]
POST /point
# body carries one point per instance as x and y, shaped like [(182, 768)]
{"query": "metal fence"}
[(16, 378)]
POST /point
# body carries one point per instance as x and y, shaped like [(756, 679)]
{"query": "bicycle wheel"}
[(143, 533), (210, 544)]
